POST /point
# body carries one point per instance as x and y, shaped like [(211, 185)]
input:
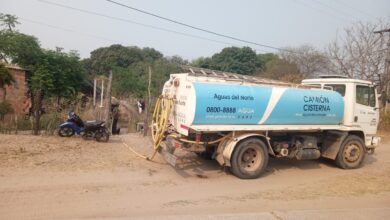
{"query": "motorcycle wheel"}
[(66, 132), (102, 135)]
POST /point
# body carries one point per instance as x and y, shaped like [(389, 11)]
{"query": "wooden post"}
[(37, 99), (147, 104), (102, 94), (16, 124), (387, 68), (108, 102), (94, 93)]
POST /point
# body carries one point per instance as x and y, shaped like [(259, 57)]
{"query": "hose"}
[(160, 119), (201, 142), (161, 113), (135, 152)]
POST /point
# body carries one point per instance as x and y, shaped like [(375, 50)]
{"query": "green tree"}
[(203, 62), (133, 81), (19, 48), (52, 72), (177, 60), (263, 59), (103, 59), (150, 54), (283, 70), (10, 21), (237, 60), (66, 71), (5, 108), (6, 78)]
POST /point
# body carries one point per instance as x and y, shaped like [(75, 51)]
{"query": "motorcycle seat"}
[(89, 124)]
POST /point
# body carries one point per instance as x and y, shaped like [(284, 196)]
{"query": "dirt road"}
[(69, 178)]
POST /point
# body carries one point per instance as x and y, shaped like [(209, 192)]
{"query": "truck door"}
[(366, 109)]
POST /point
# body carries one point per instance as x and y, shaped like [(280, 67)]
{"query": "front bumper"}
[(373, 142)]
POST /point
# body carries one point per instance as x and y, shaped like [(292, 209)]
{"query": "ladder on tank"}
[(202, 72)]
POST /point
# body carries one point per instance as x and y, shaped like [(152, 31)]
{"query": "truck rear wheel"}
[(351, 153), (249, 159)]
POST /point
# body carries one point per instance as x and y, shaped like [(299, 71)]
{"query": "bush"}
[(384, 121), (24, 123), (49, 122), (5, 108)]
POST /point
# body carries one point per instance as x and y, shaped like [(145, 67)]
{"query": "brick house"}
[(17, 92)]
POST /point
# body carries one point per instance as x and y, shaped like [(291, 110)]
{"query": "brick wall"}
[(16, 93)]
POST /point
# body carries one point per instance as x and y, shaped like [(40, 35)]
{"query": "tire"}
[(66, 132), (351, 153), (102, 135), (249, 159)]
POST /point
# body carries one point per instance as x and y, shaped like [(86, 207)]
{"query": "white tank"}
[(212, 101)]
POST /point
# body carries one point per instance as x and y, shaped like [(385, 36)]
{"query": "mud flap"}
[(167, 154), (331, 144)]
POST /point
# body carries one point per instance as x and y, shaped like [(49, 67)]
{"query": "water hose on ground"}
[(161, 114)]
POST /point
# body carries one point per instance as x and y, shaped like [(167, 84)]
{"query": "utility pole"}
[(387, 67), (147, 104)]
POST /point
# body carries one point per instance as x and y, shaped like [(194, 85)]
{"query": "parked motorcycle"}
[(89, 129)]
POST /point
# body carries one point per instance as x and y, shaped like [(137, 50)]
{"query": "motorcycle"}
[(89, 129)]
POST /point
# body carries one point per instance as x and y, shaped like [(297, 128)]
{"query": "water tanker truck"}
[(241, 121)]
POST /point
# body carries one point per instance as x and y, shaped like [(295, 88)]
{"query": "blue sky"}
[(279, 23)]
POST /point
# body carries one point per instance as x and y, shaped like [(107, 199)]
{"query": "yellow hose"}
[(160, 119), (201, 142), (161, 113)]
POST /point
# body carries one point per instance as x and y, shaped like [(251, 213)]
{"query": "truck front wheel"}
[(351, 153), (249, 159)]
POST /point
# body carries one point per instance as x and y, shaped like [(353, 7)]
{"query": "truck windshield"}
[(340, 88)]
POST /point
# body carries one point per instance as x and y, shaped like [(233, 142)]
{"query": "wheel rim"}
[(250, 159), (66, 131), (352, 153)]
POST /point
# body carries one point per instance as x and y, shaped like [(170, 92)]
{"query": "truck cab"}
[(361, 103)]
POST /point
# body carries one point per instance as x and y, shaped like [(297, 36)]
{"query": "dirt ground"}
[(70, 178)]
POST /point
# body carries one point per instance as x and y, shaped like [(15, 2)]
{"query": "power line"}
[(320, 10), (198, 28), (72, 31), (141, 24), (151, 26), (67, 30), (334, 9), (356, 9), (76, 32)]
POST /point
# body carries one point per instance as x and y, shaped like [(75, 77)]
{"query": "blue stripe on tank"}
[(302, 106), (230, 104)]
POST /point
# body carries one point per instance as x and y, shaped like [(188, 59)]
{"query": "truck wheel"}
[(351, 153), (249, 159)]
